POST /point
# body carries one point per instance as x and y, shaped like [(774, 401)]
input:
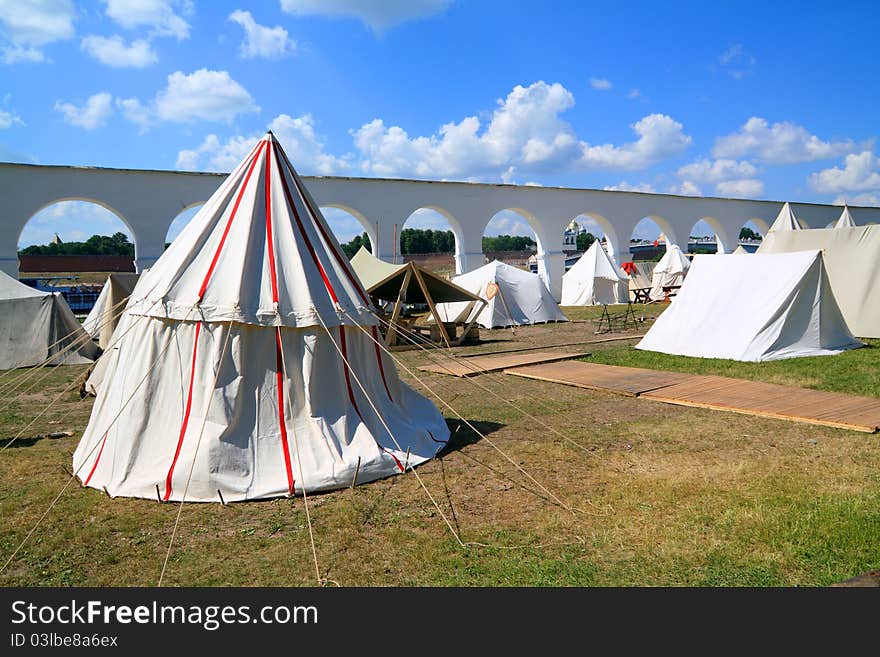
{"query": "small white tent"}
[(515, 297), (669, 271), (845, 220), (852, 259), (246, 366), (765, 307), (38, 327), (105, 314), (786, 220), (594, 279)]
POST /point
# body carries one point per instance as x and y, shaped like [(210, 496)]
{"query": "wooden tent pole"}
[(431, 305), (391, 336)]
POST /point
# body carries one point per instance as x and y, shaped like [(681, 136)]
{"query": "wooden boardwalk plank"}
[(716, 392), (492, 363)]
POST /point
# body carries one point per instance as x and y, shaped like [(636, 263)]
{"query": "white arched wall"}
[(725, 242), (77, 199), (612, 239), (454, 226), (189, 206), (369, 229)]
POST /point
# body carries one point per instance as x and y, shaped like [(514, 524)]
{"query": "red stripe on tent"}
[(379, 360), (192, 376), (342, 261), (391, 454), (302, 231), (345, 365), (229, 223), (97, 458), (269, 243), (279, 369)]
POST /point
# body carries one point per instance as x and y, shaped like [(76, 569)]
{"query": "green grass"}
[(856, 372)]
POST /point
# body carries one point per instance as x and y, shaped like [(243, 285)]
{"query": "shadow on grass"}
[(461, 434)]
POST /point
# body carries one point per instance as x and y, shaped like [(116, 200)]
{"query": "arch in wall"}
[(599, 226), (646, 231), (711, 225), (762, 226), (127, 228), (509, 221), (182, 220), (429, 217), (343, 221)]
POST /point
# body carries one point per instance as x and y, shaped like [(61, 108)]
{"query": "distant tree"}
[(508, 243), (585, 241), (748, 234), (116, 244), (352, 247)]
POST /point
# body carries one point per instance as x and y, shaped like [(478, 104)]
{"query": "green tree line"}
[(116, 244), (419, 240)]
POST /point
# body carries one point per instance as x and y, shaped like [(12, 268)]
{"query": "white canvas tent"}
[(845, 220), (515, 297), (104, 316), (786, 220), (765, 307), (38, 327), (852, 259), (245, 364), (669, 271), (595, 279)]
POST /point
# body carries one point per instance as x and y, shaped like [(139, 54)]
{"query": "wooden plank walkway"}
[(627, 381), (717, 392), (492, 363)]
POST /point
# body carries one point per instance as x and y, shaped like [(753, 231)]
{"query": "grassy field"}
[(661, 495)]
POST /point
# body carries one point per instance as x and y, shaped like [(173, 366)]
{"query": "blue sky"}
[(761, 100)]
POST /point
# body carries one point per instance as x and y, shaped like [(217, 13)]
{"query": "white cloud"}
[(715, 171), (686, 188), (508, 222), (73, 221), (93, 114), (779, 143), (160, 16), (525, 132), (660, 136), (379, 16), (740, 188), (859, 199), (114, 52), (297, 135), (861, 172), (8, 119), (737, 61), (600, 84), (133, 110), (624, 186), (201, 95), (261, 41), (634, 94), (28, 26)]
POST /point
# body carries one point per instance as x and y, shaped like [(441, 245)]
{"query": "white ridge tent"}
[(245, 364), (515, 297), (852, 258), (765, 307), (786, 220), (105, 314), (669, 271), (845, 220), (595, 279), (38, 327)]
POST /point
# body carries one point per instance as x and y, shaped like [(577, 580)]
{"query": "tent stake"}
[(356, 470), (158, 495), (106, 492), (222, 501), (406, 462)]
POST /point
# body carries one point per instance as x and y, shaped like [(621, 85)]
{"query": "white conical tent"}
[(845, 220), (764, 307), (515, 297), (245, 365), (594, 279), (786, 220), (669, 271)]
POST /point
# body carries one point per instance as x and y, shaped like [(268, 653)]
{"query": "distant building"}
[(56, 239)]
